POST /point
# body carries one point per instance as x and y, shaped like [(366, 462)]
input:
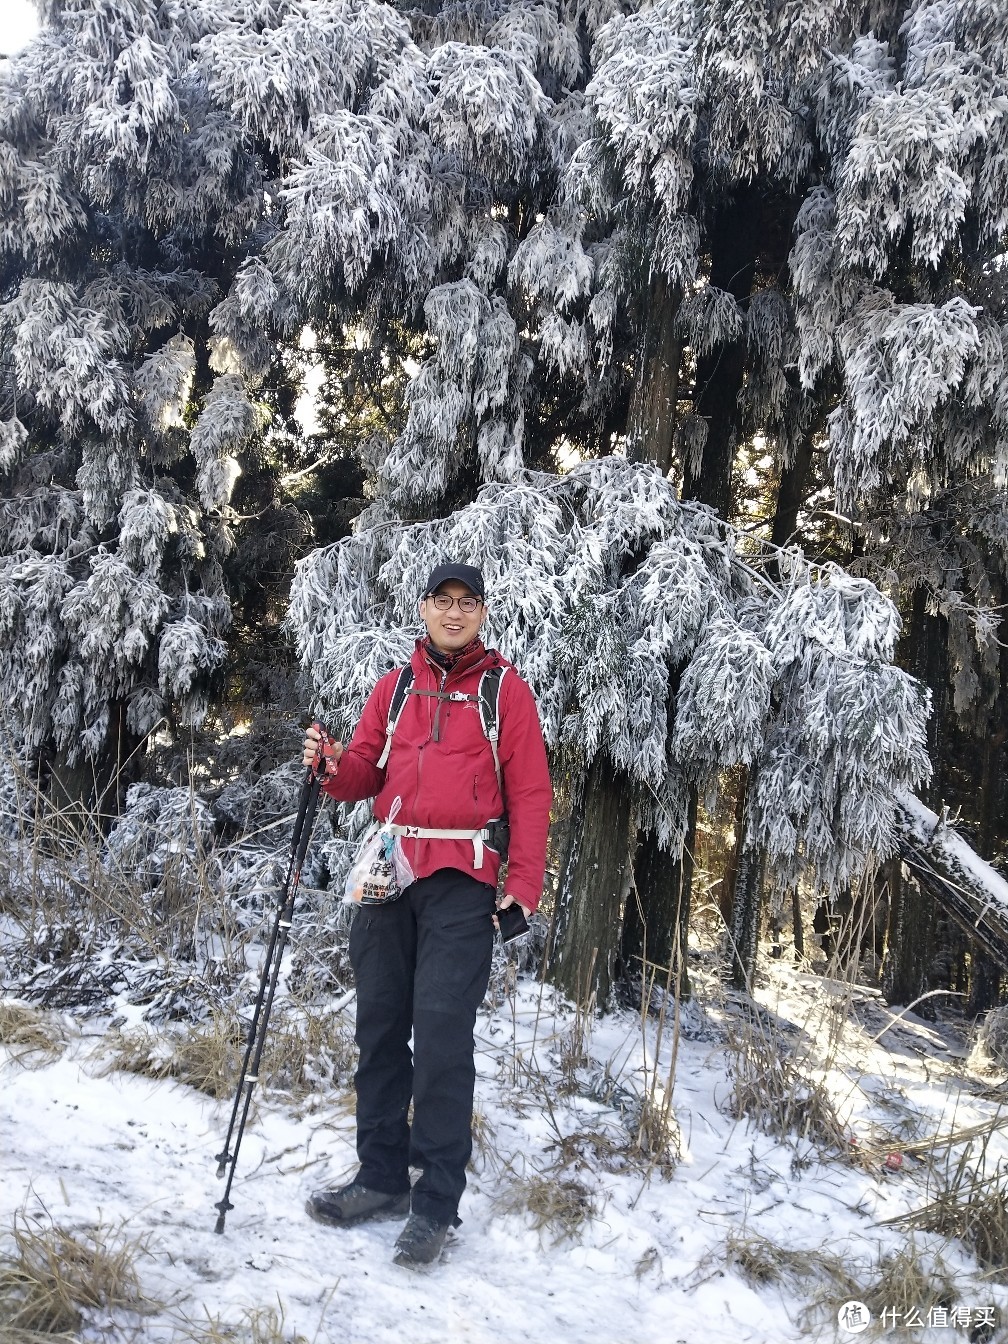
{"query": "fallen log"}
[(954, 875)]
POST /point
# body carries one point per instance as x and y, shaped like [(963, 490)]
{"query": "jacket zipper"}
[(436, 734)]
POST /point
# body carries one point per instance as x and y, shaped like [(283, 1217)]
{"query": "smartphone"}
[(512, 922)]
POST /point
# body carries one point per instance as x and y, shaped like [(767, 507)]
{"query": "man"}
[(422, 961)]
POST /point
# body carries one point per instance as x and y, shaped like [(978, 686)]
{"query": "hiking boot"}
[(355, 1203), (420, 1242)]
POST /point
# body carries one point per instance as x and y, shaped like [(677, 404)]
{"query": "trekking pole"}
[(307, 806)]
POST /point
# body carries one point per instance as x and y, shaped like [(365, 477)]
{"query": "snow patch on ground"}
[(83, 1146)]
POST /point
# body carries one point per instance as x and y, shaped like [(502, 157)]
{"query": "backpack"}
[(487, 699)]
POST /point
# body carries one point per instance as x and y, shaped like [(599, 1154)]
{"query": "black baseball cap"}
[(467, 574)]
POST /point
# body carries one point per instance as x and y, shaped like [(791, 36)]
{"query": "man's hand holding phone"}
[(511, 919)]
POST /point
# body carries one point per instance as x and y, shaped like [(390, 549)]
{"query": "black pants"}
[(422, 965)]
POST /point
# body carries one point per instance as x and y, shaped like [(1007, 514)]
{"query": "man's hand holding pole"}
[(321, 753)]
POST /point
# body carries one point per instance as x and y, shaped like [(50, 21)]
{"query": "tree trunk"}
[(741, 896), (656, 922), (652, 417), (93, 790), (910, 940), (729, 877), (984, 983), (734, 246), (594, 883), (796, 921), (856, 929), (985, 976), (745, 923), (734, 237), (741, 905), (791, 494), (657, 914)]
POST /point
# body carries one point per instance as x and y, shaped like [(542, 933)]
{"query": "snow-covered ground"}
[(661, 1255)]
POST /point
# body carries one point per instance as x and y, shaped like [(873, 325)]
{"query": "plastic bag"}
[(381, 872)]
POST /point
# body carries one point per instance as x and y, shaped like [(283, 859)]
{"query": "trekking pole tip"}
[(222, 1208)]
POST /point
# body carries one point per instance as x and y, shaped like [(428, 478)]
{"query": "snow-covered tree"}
[(696, 278), (898, 272), (871, 356), (140, 451), (736, 241)]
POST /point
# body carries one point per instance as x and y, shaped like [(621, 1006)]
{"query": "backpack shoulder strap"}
[(403, 683), (488, 703)]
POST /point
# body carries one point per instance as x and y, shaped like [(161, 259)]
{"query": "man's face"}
[(451, 630)]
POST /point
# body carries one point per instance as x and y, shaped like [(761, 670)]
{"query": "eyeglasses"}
[(445, 602)]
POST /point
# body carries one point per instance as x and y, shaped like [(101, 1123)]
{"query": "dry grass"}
[(307, 1047), (650, 1260), (642, 1133), (484, 1141), (258, 1325), (34, 1038), (657, 1138), (655, 1135), (899, 1281), (906, 1279), (50, 1277), (970, 1205), (591, 1150), (770, 1088), (562, 1207), (571, 1056), (207, 1058), (304, 1050), (761, 1261), (909, 1279)]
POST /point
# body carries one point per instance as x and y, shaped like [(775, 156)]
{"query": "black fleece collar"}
[(449, 660)]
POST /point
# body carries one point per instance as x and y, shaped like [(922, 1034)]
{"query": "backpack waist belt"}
[(478, 838)]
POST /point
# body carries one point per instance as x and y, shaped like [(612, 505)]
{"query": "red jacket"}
[(450, 784)]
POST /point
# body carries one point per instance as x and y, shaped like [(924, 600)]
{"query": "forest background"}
[(688, 322)]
